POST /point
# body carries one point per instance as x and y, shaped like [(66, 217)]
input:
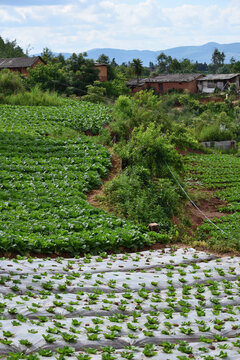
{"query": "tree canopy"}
[(10, 49)]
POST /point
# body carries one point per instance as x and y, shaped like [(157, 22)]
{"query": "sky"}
[(81, 25)]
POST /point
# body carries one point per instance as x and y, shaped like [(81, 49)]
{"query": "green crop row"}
[(43, 186), (45, 120), (220, 172)]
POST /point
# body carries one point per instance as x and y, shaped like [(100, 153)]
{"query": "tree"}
[(217, 59), (187, 66), (80, 72), (235, 68), (138, 67), (10, 49), (103, 59), (151, 66), (174, 67), (201, 67), (47, 55), (48, 77), (164, 62), (113, 63)]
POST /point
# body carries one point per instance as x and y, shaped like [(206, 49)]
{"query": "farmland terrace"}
[(167, 304)]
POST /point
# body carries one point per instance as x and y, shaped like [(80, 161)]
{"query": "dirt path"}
[(209, 205), (116, 169)]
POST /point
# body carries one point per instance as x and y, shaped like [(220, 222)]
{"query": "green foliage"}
[(47, 77), (151, 148), (167, 64), (142, 109), (214, 132), (34, 97), (215, 127), (95, 93), (10, 49), (44, 181), (219, 172), (116, 87), (70, 77), (181, 137), (217, 59), (13, 91), (233, 89), (137, 66), (80, 72), (134, 195), (52, 120), (10, 83)]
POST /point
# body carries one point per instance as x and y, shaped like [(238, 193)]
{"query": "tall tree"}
[(10, 49), (80, 72), (217, 59), (47, 55), (164, 62), (138, 67), (103, 59)]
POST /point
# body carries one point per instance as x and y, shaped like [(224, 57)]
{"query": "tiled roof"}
[(20, 62), (164, 78), (216, 77)]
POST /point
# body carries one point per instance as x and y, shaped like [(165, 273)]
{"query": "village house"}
[(165, 82), (211, 82), (102, 68), (21, 64)]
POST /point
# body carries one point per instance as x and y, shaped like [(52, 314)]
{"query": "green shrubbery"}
[(146, 139), (13, 92), (150, 148), (10, 83), (34, 97), (135, 196)]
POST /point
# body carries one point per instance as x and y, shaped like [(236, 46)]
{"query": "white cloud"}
[(79, 25)]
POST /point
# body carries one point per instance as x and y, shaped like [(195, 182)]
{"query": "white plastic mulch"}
[(165, 304)]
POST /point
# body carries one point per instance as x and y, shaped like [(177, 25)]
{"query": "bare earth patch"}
[(115, 170), (208, 205)]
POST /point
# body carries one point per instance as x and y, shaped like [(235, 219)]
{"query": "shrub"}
[(181, 137), (214, 132), (152, 149), (10, 82), (95, 93), (35, 97), (135, 196), (142, 109)]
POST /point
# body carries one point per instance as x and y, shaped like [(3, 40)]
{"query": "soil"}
[(116, 169), (208, 205), (212, 98), (189, 151)]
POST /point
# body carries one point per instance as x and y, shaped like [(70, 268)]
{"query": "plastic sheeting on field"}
[(160, 304)]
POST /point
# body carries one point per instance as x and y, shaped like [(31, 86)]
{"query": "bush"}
[(181, 137), (95, 93), (214, 132), (34, 97), (10, 83), (152, 149), (135, 196), (142, 109)]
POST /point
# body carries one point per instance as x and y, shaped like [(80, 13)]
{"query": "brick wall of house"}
[(23, 70), (191, 86), (161, 88), (102, 72)]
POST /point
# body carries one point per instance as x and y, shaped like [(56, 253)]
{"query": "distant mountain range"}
[(202, 53)]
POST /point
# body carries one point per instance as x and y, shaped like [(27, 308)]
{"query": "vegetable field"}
[(164, 305), (44, 181), (220, 172), (45, 120)]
